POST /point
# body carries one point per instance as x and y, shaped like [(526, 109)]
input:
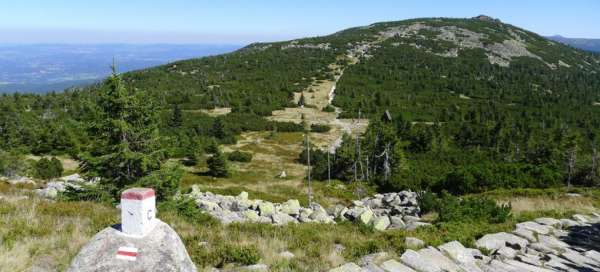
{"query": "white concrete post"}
[(138, 211)]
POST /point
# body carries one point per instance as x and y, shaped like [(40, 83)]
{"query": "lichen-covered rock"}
[(266, 208), (159, 250), (417, 262), (460, 255), (291, 207), (413, 225), (282, 219), (413, 243), (496, 241), (251, 215), (381, 223), (366, 216)]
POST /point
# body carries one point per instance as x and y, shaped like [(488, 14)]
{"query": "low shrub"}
[(48, 168), (319, 128), (428, 202), (329, 108), (165, 182), (239, 156), (455, 209), (244, 255)]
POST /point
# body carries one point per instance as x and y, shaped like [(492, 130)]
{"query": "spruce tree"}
[(176, 117), (217, 165), (302, 100), (125, 148)]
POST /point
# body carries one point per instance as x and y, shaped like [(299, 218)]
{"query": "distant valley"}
[(592, 45), (54, 67)]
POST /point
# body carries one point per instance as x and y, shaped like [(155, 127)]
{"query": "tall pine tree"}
[(125, 148)]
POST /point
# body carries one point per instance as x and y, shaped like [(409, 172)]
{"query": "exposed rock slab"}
[(160, 250)]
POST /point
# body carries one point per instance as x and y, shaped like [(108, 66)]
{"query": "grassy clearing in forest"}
[(272, 154)]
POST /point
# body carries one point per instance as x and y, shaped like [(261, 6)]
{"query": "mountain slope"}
[(592, 45), (471, 98), (472, 101), (262, 77)]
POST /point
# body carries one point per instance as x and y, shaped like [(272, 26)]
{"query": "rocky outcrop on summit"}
[(545, 244), (382, 211), (500, 53)]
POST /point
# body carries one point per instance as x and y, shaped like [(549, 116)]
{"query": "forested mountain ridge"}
[(271, 71), (592, 45), (475, 104)]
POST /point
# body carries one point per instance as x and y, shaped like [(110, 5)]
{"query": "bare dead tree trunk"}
[(328, 168), (309, 178), (572, 156), (594, 164)]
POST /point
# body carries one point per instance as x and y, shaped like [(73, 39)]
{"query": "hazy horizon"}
[(243, 22)]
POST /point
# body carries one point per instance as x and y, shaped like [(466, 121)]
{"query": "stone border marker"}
[(141, 242), (138, 211)]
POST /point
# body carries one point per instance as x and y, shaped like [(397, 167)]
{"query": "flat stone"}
[(372, 258), (552, 242), (417, 262), (592, 254), (434, 256), (499, 240), (578, 259), (507, 252), (548, 222), (558, 264), (348, 267), (535, 227), (498, 266), (526, 267), (282, 219), (581, 218), (371, 267), (395, 266), (543, 248), (381, 223), (413, 243), (525, 233), (460, 255), (569, 223), (529, 259)]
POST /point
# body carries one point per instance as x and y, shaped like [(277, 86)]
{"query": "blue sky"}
[(244, 21)]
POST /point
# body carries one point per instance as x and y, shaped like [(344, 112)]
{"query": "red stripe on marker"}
[(137, 194), (127, 253)]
